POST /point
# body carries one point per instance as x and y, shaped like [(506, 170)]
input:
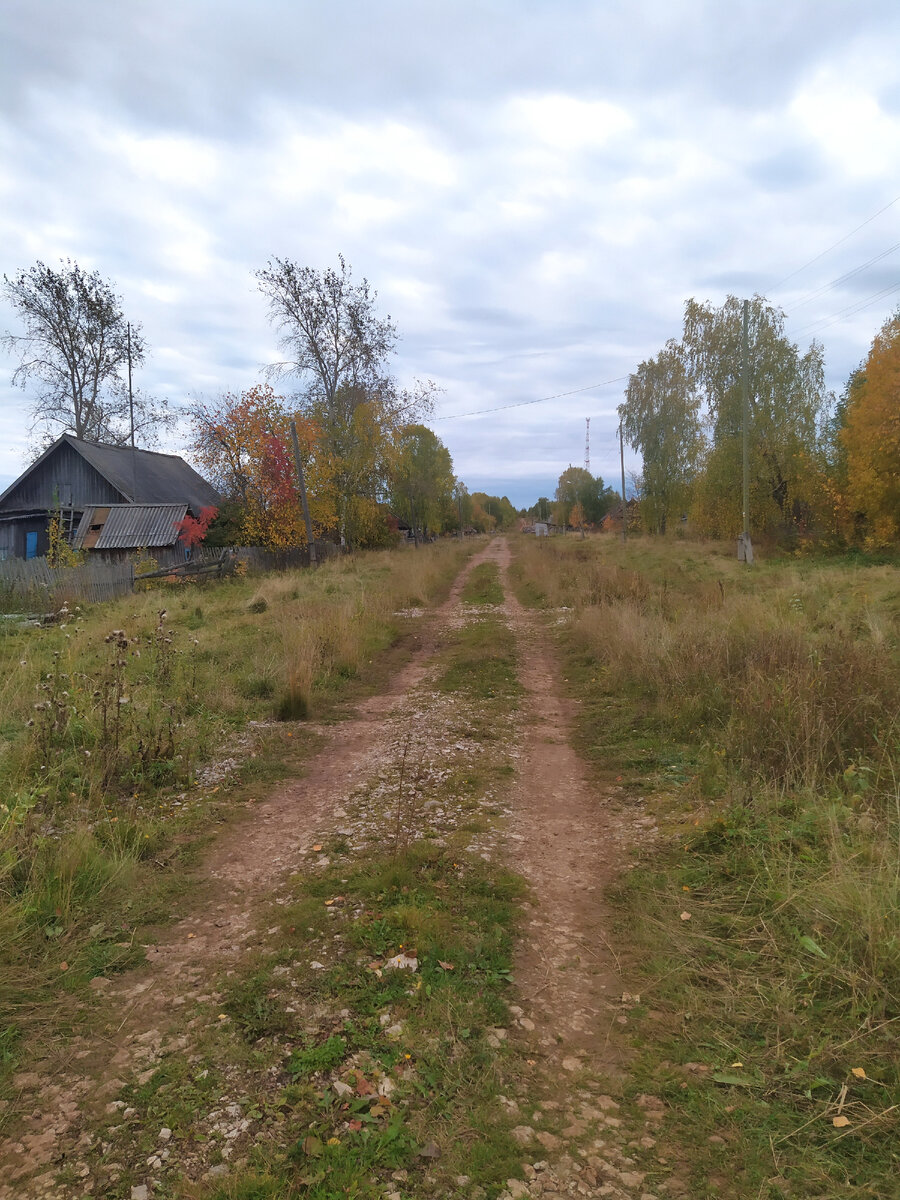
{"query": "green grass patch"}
[(483, 585), (362, 1070), (482, 663)]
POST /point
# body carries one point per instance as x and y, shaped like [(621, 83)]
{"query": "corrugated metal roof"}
[(130, 526)]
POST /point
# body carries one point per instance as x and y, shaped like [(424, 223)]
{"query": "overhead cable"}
[(840, 242), (522, 403), (828, 287), (849, 311)]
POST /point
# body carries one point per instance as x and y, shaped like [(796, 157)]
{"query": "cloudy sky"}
[(534, 187)]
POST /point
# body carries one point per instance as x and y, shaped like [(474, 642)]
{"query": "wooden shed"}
[(79, 479)]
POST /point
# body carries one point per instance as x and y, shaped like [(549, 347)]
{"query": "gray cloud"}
[(533, 188)]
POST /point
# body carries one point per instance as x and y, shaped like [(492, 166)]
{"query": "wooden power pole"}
[(622, 464), (301, 484), (745, 546)]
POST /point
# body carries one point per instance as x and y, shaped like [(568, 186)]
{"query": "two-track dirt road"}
[(565, 837)]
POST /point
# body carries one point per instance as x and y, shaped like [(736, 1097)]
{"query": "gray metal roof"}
[(130, 526), (141, 476)]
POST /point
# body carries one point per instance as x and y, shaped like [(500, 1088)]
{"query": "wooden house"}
[(612, 522), (111, 499)]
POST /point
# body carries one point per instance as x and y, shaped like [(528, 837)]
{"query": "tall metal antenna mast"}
[(587, 443)]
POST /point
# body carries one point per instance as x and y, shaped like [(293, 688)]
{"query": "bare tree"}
[(75, 348), (328, 327)]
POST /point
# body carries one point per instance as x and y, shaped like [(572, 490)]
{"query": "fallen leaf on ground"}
[(858, 1072), (737, 1064), (64, 966), (432, 1150), (446, 966), (685, 916), (363, 1087), (317, 847), (312, 1146), (402, 962), (840, 1122)]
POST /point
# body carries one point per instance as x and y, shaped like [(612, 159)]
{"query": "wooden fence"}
[(33, 586), (259, 559)]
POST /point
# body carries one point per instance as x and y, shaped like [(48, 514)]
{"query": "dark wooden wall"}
[(64, 479)]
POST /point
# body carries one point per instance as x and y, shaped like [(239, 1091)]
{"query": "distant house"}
[(111, 499), (613, 519)]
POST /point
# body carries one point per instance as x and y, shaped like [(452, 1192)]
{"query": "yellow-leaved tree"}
[(871, 439)]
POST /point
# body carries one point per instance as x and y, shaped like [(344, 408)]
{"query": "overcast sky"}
[(534, 188)]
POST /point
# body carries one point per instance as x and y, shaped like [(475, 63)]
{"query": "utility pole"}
[(131, 416), (301, 483), (130, 393), (745, 546), (622, 464), (459, 510)]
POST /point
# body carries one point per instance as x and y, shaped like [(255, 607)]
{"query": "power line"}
[(849, 311), (824, 322), (522, 403), (840, 242), (828, 287)]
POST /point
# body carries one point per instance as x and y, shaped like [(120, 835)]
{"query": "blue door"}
[(31, 544)]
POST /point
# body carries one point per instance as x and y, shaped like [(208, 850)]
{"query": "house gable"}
[(63, 478)]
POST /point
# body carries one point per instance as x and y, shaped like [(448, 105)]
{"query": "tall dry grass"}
[(793, 674)]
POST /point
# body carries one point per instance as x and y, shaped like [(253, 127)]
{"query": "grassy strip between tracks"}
[(753, 714)]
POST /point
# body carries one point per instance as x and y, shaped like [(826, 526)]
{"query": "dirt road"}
[(565, 838)]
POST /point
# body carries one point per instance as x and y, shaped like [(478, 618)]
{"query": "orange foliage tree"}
[(243, 444), (871, 439)]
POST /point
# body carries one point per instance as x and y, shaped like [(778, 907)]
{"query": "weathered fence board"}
[(259, 559), (39, 586)]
